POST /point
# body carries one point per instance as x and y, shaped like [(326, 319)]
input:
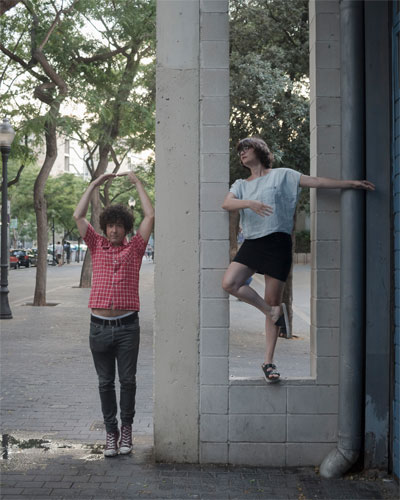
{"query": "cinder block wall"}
[(214, 230), (245, 421), (240, 421)]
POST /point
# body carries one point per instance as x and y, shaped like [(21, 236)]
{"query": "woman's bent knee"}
[(229, 286)]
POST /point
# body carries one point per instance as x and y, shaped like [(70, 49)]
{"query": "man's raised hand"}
[(102, 179), (131, 176)]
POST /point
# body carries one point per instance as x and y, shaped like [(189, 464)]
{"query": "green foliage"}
[(62, 196), (21, 199), (118, 92), (303, 242), (104, 51), (269, 79)]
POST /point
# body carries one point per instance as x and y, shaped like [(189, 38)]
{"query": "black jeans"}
[(120, 344)]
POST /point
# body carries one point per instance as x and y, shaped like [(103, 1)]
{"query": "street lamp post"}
[(53, 263), (6, 137)]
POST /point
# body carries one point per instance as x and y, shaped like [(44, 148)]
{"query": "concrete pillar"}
[(192, 240), (177, 277)]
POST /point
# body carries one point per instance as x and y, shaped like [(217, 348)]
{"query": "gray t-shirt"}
[(279, 189)]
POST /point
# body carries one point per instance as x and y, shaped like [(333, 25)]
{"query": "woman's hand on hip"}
[(260, 208)]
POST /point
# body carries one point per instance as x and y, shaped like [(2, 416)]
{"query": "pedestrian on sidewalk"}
[(59, 253), (114, 301), (267, 202)]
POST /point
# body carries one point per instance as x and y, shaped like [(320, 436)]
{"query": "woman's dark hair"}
[(116, 213), (260, 148)]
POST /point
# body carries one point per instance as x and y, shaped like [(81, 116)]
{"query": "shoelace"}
[(126, 436), (111, 441)]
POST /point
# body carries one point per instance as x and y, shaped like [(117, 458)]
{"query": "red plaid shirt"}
[(115, 283)]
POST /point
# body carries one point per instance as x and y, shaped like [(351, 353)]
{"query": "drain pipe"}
[(352, 279)]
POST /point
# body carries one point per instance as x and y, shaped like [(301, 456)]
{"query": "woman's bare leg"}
[(233, 282), (273, 296)]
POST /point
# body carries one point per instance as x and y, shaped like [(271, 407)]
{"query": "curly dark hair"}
[(260, 148), (116, 213)]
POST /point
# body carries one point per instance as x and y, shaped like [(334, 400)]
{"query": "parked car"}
[(23, 257), (50, 260), (32, 253), (14, 261)]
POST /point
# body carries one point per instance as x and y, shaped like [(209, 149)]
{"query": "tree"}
[(118, 93), (88, 53), (25, 41)]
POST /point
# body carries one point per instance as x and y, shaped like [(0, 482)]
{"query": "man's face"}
[(115, 232)]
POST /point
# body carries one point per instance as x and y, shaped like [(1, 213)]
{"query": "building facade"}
[(348, 409)]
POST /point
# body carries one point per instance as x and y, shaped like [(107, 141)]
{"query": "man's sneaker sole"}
[(110, 453), (124, 450)]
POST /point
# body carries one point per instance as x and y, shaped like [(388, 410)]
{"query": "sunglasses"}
[(244, 148)]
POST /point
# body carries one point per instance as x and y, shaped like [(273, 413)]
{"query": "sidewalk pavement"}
[(52, 433)]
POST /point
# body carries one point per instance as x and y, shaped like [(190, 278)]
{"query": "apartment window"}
[(66, 164)]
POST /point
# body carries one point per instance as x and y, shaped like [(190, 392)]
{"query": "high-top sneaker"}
[(111, 449), (125, 444)]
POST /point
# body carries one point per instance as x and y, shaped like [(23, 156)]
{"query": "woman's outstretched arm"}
[(326, 183)]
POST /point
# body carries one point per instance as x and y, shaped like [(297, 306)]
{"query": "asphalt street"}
[(52, 431)]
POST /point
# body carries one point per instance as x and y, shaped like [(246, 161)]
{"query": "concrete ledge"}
[(260, 381)]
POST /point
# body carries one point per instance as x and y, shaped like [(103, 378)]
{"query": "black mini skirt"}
[(271, 255)]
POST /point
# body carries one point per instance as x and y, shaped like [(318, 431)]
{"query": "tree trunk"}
[(41, 206), (86, 273)]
